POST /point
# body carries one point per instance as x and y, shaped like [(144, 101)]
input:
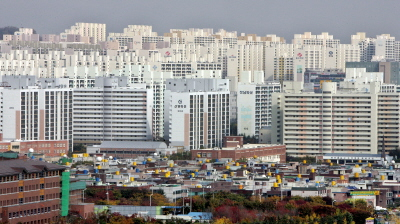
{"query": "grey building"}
[(112, 111)]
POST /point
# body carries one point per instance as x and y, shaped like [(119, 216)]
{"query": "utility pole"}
[(108, 199), (151, 195), (183, 205), (190, 202)]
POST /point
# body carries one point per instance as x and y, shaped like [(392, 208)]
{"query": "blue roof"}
[(200, 215), (351, 187)]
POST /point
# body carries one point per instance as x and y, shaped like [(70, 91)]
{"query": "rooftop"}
[(246, 146), (17, 166), (352, 155), (133, 144)]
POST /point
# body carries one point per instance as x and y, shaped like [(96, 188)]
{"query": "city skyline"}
[(341, 19)]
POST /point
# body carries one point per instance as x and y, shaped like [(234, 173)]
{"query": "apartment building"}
[(113, 110), (196, 112), (333, 121), (96, 31), (32, 111), (323, 39), (23, 34), (135, 37), (288, 62), (383, 48), (254, 102)]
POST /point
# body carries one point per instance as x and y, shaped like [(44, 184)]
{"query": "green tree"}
[(79, 148), (181, 156)]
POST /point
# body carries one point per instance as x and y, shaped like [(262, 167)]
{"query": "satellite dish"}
[(110, 157), (65, 156), (155, 154), (31, 150), (99, 159)]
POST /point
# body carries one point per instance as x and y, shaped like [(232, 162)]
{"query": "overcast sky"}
[(341, 18)]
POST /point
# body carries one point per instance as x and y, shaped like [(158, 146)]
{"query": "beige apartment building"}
[(96, 31), (335, 121)]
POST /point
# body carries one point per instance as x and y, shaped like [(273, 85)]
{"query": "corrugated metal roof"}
[(133, 144), (16, 166)]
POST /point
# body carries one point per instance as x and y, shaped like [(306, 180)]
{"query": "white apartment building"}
[(382, 48), (250, 56), (254, 102), (156, 82), (23, 34), (335, 121), (288, 62), (367, 46), (112, 110), (134, 36), (196, 112), (32, 111), (323, 39), (97, 31)]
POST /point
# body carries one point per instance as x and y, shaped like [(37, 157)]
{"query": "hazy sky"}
[(341, 18)]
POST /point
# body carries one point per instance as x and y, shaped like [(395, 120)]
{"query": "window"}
[(21, 188), (21, 200), (41, 186), (42, 197)]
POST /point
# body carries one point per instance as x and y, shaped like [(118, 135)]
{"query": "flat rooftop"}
[(246, 146)]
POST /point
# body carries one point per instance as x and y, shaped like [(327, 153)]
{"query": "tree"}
[(359, 215), (198, 203), (222, 220), (324, 210), (79, 148), (304, 210), (309, 159), (181, 156)]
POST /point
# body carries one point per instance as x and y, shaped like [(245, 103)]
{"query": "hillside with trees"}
[(230, 208)]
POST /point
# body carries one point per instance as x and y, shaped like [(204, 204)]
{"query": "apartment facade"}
[(36, 113), (254, 103), (335, 121), (288, 62), (96, 31), (196, 112), (383, 48), (112, 111)]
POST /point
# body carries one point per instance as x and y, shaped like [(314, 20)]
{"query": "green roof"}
[(9, 155)]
